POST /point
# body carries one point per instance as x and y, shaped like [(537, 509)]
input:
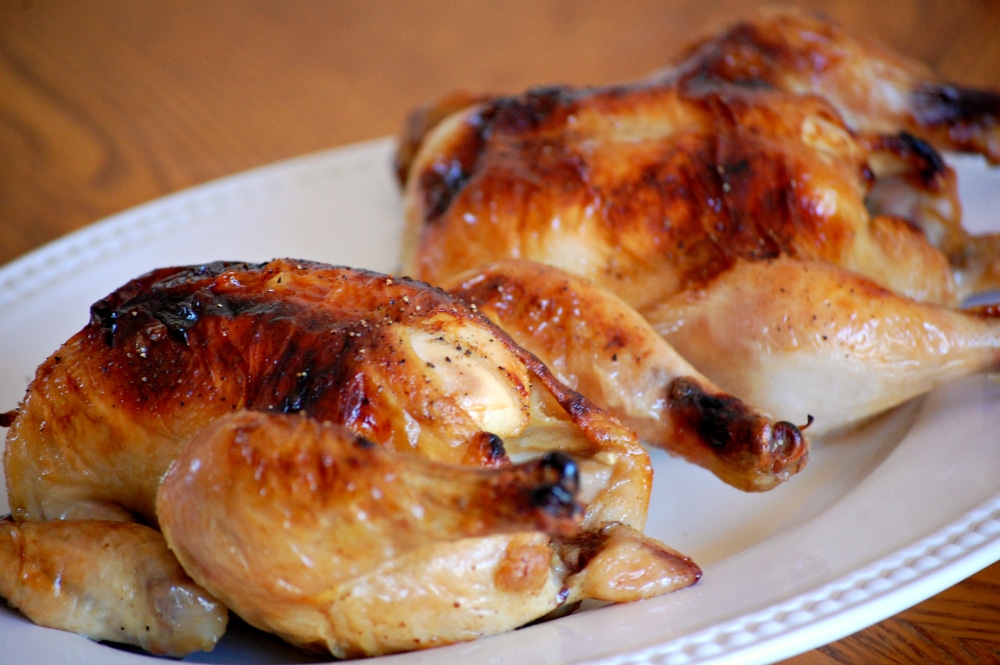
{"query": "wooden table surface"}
[(106, 104)]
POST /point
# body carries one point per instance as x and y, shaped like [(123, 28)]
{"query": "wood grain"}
[(106, 104)]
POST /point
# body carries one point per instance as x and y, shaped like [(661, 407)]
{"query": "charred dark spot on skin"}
[(556, 494), (487, 449), (363, 443), (925, 159), (162, 325), (711, 416), (442, 181), (985, 311), (422, 121), (585, 546), (733, 430), (175, 316), (738, 168), (935, 104), (445, 178), (494, 447), (561, 469), (530, 111), (172, 299)]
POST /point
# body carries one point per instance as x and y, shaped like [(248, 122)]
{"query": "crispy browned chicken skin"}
[(347, 547), (599, 345), (771, 144), (305, 413), (875, 90)]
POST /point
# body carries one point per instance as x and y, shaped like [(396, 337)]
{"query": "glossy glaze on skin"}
[(171, 351), (882, 97), (778, 140), (606, 350), (232, 368), (312, 511)]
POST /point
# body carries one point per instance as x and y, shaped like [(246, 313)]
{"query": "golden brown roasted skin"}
[(345, 546), (877, 93), (649, 190), (190, 372), (599, 345), (168, 353), (656, 189), (112, 581), (874, 89)]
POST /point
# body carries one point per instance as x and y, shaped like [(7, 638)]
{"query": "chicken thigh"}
[(805, 335), (345, 546)]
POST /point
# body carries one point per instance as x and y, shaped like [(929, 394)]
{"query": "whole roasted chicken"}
[(357, 463), (773, 203)]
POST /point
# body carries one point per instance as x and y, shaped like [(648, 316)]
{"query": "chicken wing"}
[(596, 343), (112, 581), (424, 403)]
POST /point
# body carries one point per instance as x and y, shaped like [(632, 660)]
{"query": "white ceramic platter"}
[(877, 522)]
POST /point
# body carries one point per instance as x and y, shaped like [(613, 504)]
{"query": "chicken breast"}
[(171, 351)]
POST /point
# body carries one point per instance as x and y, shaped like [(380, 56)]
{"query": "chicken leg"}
[(808, 335), (596, 343)]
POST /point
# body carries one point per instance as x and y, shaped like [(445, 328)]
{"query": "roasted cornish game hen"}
[(357, 463), (773, 203), (759, 242)]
